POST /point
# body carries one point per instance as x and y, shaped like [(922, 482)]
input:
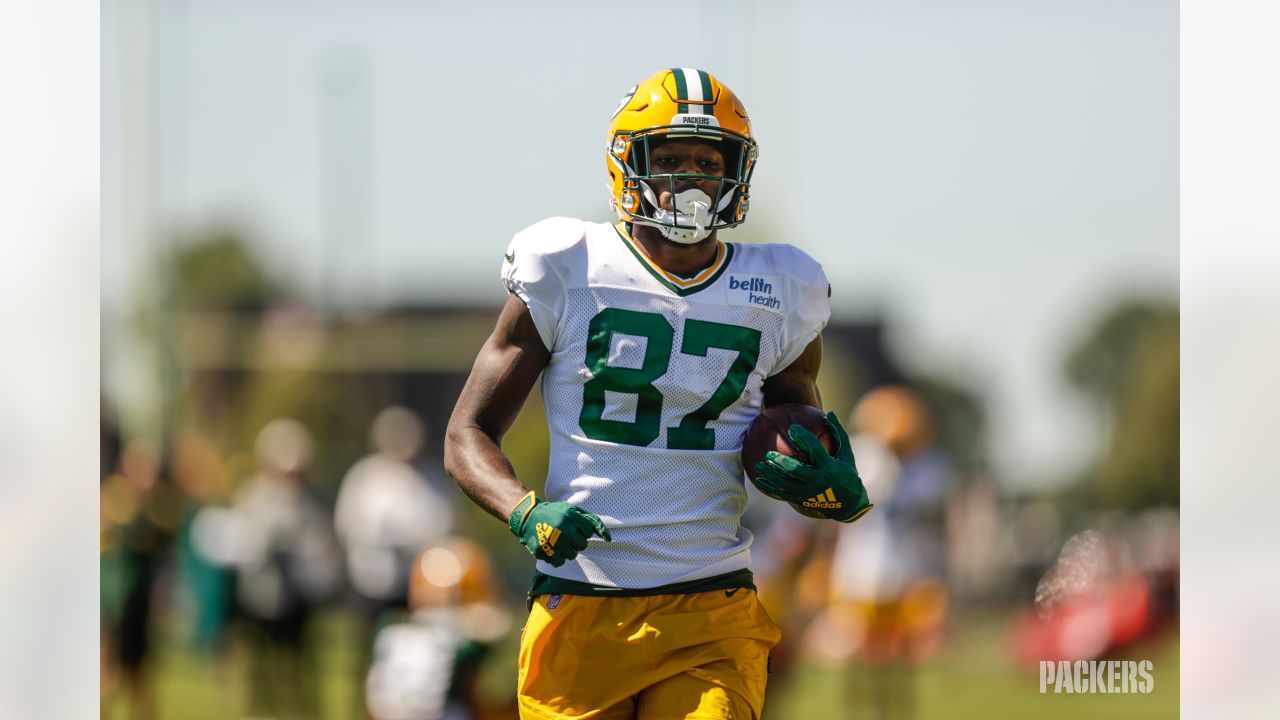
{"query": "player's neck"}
[(677, 259)]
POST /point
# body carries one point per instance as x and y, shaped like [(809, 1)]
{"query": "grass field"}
[(971, 677)]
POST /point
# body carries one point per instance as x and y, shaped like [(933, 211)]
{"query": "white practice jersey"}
[(413, 666), (653, 380)]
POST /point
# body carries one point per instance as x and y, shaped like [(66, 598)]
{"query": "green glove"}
[(554, 531), (829, 488)]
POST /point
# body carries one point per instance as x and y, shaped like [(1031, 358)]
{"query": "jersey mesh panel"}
[(674, 513)]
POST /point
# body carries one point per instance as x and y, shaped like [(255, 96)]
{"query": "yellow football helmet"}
[(455, 571), (680, 103), (896, 416)]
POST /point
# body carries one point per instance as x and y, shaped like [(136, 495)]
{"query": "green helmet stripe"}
[(682, 90), (706, 90)]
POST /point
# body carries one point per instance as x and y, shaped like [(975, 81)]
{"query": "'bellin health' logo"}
[(753, 290)]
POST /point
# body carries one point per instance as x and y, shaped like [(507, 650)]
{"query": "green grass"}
[(973, 676), (196, 686)]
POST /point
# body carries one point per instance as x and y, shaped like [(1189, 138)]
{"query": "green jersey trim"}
[(547, 585), (675, 284)]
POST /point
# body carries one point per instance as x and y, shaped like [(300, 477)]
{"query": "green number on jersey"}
[(631, 381), (692, 432), (699, 335)]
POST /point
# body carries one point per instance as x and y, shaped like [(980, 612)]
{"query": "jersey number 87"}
[(699, 335)]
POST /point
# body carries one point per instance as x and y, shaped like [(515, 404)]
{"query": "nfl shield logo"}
[(553, 601)]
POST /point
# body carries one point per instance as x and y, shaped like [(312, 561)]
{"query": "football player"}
[(657, 345)]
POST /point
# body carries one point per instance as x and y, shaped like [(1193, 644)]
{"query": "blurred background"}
[(303, 211)]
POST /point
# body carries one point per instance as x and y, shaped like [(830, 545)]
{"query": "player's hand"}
[(554, 531), (828, 488)]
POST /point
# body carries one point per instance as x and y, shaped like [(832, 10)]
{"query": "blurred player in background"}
[(204, 584), (427, 667), (386, 513), (139, 517), (657, 345), (288, 563), (888, 576)]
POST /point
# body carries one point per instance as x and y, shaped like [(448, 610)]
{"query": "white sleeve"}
[(533, 271), (809, 308)]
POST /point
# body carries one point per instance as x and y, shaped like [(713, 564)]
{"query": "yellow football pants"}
[(697, 656)]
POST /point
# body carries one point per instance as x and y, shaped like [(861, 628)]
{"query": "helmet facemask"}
[(695, 215)]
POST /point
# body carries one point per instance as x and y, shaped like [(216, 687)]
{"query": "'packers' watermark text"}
[(1096, 676)]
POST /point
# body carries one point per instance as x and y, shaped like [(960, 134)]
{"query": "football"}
[(769, 432)]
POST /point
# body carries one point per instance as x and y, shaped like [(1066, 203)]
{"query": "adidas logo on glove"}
[(547, 537), (823, 500)]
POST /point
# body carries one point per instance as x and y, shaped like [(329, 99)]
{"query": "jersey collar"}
[(675, 283)]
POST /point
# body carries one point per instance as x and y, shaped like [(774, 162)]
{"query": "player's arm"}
[(798, 382), (501, 378), (787, 478)]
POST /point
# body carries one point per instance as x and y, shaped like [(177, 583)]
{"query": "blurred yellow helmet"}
[(679, 103), (896, 416), (454, 572)]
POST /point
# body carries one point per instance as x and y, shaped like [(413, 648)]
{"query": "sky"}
[(987, 176)]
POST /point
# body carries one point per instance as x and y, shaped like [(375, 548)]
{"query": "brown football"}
[(769, 432)]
